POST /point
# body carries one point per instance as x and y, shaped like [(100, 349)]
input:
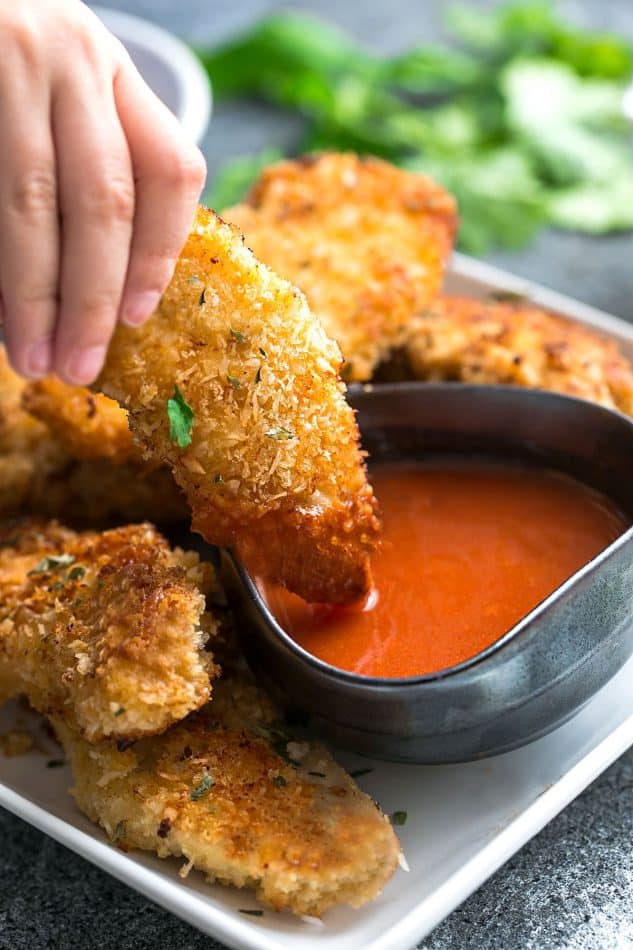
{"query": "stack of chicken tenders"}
[(227, 408)]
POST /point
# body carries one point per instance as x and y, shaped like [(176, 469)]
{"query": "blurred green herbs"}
[(522, 120)]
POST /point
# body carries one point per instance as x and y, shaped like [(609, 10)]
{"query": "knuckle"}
[(111, 198), (24, 35), (34, 191), (186, 169)]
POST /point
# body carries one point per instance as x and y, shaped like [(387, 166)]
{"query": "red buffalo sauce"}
[(468, 550)]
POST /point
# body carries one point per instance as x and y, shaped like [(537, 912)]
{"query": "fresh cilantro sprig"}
[(463, 114)]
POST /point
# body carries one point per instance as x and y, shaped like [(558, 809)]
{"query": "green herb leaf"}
[(119, 831), (279, 434), (76, 573), (258, 374), (263, 352), (317, 774), (202, 297), (234, 381), (119, 711), (359, 772), (181, 418), (55, 763), (238, 335), (279, 781), (218, 479), (202, 788), (251, 913), (52, 562), (399, 818)]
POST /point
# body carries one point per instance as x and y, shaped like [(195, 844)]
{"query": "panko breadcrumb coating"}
[(518, 343), (364, 240), (105, 628), (88, 425), (273, 469), (39, 476), (233, 795)]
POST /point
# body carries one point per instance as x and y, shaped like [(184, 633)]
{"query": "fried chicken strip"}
[(364, 240), (273, 469), (518, 343), (39, 475), (87, 425), (106, 629), (229, 792)]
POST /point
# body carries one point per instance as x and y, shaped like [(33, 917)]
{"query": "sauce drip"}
[(468, 549)]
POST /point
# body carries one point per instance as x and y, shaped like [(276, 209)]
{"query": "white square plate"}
[(463, 822)]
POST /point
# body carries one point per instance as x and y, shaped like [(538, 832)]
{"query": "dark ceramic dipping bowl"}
[(546, 667)]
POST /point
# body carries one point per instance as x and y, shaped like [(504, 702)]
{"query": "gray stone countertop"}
[(571, 887)]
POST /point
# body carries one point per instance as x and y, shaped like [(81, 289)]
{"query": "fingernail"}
[(139, 308), (84, 365), (38, 358)]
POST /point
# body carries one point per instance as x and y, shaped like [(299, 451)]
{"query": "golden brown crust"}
[(303, 841), (112, 635), (87, 425), (273, 438), (517, 343), (39, 476), (365, 241)]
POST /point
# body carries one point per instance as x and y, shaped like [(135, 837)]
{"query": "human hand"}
[(97, 189)]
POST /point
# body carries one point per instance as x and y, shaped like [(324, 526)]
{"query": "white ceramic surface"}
[(168, 67), (463, 822)]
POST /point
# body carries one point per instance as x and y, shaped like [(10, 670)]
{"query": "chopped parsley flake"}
[(279, 434), (55, 763), (251, 913), (359, 772), (238, 335), (218, 480), (507, 296), (202, 297), (76, 573), (258, 374), (234, 381), (263, 352), (119, 831), (280, 781), (399, 818), (181, 418), (317, 774), (193, 279), (120, 711), (52, 563), (204, 785)]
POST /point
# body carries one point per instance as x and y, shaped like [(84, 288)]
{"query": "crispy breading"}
[(222, 791), (364, 240), (39, 476), (27, 453), (274, 469), (105, 628), (518, 343), (88, 425)]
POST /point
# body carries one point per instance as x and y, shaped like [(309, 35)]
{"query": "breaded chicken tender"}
[(27, 453), (233, 383), (88, 425), (518, 343), (106, 629), (39, 476), (364, 240), (228, 791)]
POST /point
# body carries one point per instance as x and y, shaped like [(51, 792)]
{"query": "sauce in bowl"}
[(469, 548)]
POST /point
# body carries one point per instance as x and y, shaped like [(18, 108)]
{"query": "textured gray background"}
[(572, 886)]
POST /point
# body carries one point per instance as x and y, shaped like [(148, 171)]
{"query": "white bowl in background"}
[(167, 65)]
